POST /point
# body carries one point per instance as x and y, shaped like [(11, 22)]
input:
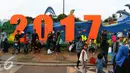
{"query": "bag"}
[(92, 60), (70, 47), (49, 51)]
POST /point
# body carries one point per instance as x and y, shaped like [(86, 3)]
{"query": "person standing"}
[(58, 42), (83, 58), (34, 37), (26, 43), (115, 50), (4, 43), (53, 41), (104, 46), (99, 63), (121, 59), (49, 40), (2, 32), (114, 41), (17, 38), (79, 45)]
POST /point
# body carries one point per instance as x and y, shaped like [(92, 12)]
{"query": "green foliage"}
[(106, 20), (77, 19), (61, 16), (8, 27)]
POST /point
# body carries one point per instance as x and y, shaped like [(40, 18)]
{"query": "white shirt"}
[(85, 55)]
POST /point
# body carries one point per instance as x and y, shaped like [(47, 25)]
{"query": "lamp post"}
[(63, 6)]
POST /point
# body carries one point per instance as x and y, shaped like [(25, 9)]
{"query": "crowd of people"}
[(84, 50), (120, 52), (31, 42)]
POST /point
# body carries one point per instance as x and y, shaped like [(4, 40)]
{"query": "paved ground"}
[(43, 63), (51, 69), (42, 57), (12, 70)]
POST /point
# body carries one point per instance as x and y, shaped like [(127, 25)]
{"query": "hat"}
[(120, 34)]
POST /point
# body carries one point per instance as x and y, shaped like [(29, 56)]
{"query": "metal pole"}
[(63, 6)]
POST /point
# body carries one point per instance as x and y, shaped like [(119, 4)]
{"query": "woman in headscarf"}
[(122, 57), (4, 44)]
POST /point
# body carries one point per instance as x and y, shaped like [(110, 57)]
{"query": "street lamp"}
[(63, 6)]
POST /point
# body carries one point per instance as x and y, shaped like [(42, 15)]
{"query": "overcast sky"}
[(35, 7)]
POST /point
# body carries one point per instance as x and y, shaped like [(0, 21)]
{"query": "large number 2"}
[(22, 25)]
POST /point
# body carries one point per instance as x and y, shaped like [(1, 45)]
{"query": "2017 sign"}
[(68, 22)]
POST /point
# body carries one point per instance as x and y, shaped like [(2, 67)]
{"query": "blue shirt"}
[(122, 54), (99, 64), (79, 46)]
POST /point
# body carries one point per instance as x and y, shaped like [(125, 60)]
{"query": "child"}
[(83, 58), (99, 63), (92, 46), (16, 47)]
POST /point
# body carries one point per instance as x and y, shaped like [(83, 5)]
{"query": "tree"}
[(9, 28), (77, 19), (106, 20), (61, 16)]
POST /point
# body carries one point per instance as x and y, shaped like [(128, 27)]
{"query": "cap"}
[(120, 34)]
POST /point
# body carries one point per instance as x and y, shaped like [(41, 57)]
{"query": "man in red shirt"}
[(26, 43)]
